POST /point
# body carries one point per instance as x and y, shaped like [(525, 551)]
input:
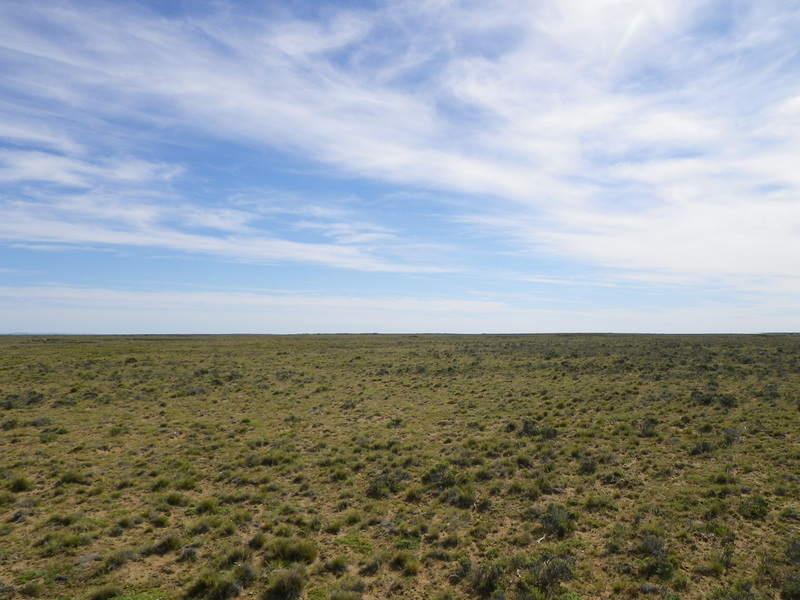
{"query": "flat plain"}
[(385, 466)]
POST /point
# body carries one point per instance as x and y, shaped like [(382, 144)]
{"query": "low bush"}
[(212, 585), (291, 550), (286, 584)]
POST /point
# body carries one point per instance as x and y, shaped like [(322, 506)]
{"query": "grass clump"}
[(107, 592), (212, 585), (286, 584), (348, 588), (291, 550), (19, 484)]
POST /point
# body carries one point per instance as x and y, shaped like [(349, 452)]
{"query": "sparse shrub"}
[(30, 398), (348, 588), (188, 554), (159, 484), (159, 520), (594, 502), (740, 590), (587, 466), (337, 565), (117, 430), (731, 436), (204, 525), (19, 484), (234, 556), (258, 541), (118, 558), (207, 506), (414, 494), (73, 477), (57, 543), (647, 427), (442, 477), (545, 574), (226, 528), (385, 484), (793, 551), (244, 574), (462, 496), (168, 543), (451, 540), (374, 563), (212, 585), (756, 507), (658, 559), (702, 447), (31, 589), (557, 520), (187, 483), (405, 562), (286, 584), (292, 550), (487, 578), (176, 499), (529, 428), (107, 592)]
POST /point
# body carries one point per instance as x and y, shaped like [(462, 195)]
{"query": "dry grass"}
[(400, 466)]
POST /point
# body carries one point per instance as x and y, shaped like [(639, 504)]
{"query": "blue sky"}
[(399, 166)]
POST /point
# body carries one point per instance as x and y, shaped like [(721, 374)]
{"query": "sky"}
[(400, 166)]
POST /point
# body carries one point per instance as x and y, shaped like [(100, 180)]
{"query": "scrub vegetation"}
[(424, 467)]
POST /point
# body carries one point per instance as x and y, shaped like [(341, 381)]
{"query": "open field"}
[(421, 467)]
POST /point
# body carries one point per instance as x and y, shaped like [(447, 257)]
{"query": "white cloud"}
[(98, 220), (36, 166), (58, 309)]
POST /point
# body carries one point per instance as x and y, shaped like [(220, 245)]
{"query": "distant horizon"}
[(418, 333), (291, 167)]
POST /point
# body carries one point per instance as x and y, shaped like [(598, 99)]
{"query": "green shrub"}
[(337, 565), (487, 578), (462, 496), (386, 484), (292, 550), (168, 543), (107, 592), (756, 507), (212, 585), (348, 588), (19, 484), (117, 558), (31, 589), (286, 584), (740, 590), (73, 477), (374, 563), (557, 520), (176, 499), (208, 506), (234, 556), (244, 574), (544, 574), (405, 562), (658, 559), (258, 541)]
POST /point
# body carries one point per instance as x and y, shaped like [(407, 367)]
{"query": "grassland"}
[(421, 467)]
